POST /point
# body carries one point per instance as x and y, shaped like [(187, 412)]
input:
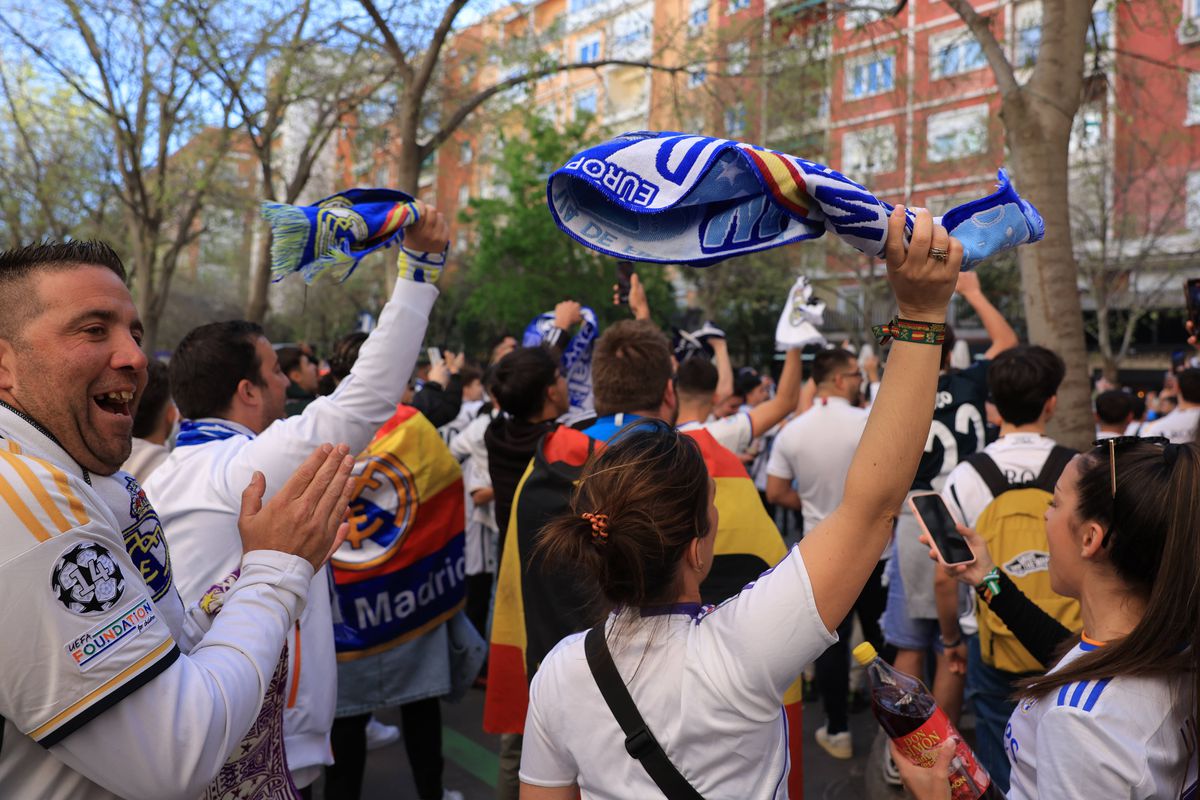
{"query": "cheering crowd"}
[(219, 568)]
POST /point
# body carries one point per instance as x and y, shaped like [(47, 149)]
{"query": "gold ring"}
[(939, 254)]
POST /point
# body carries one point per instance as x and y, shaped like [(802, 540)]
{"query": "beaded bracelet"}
[(908, 330), (989, 587)]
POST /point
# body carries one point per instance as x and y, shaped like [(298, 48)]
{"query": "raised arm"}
[(843, 550), (998, 330), (724, 370), (769, 413), (368, 396)]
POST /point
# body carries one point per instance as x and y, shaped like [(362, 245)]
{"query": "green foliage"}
[(519, 264)]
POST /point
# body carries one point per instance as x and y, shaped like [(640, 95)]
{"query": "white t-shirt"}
[(1179, 426), (734, 432), (814, 451), (709, 685), (107, 689), (1119, 738), (1020, 456)]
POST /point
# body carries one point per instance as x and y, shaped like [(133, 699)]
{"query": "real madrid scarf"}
[(193, 432), (576, 354), (691, 199), (337, 232)]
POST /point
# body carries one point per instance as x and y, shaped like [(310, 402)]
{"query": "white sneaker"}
[(380, 735), (450, 794), (891, 775), (838, 745)]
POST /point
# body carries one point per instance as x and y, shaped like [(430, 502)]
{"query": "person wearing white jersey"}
[(807, 473), (1183, 423), (709, 683), (107, 689), (226, 380), (1116, 716)]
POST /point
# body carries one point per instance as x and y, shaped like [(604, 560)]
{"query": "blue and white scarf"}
[(577, 354), (193, 432), (684, 198)]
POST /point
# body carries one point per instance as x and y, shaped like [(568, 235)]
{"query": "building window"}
[(737, 53), (1193, 201), (629, 31), (697, 76), (589, 50), (958, 133), (735, 121), (465, 153), (1028, 24), (464, 195), (875, 75), (738, 5), (1098, 30), (697, 17), (585, 102), (869, 151), (866, 11), (955, 54), (1193, 99)]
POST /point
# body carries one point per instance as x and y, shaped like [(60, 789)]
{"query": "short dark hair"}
[(520, 380), (1189, 384), (18, 264), (1022, 379), (631, 367), (289, 358), (154, 399), (828, 363), (210, 362), (696, 377), (344, 354), (746, 380), (469, 373), (1114, 406)]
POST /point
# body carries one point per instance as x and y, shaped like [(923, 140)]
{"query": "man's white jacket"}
[(197, 492)]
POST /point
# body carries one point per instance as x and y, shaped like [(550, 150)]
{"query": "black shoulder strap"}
[(1056, 462), (639, 741), (983, 464)]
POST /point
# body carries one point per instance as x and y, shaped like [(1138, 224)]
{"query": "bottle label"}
[(968, 778)]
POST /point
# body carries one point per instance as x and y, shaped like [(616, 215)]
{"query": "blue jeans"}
[(988, 690)]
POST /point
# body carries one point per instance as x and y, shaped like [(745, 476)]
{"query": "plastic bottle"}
[(908, 714)]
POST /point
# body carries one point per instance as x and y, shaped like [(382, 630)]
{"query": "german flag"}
[(401, 571), (535, 607)]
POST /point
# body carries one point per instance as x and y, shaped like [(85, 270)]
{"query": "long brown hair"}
[(635, 510), (1152, 535)]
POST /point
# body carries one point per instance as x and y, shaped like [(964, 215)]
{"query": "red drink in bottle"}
[(908, 714)]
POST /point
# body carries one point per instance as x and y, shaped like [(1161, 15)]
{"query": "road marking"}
[(474, 758)]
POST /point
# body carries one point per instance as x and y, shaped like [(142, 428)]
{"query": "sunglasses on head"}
[(1120, 441)]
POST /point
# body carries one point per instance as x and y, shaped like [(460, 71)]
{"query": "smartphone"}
[(1191, 291), (624, 277), (935, 517), (435, 356)]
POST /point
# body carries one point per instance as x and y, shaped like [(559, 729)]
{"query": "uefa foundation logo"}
[(87, 580)]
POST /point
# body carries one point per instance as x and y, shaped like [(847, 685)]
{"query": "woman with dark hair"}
[(1124, 539), (709, 683)]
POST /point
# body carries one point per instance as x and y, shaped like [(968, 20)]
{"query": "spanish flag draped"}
[(401, 570), (536, 607)]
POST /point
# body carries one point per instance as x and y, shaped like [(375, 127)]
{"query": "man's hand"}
[(307, 516), (638, 304), (922, 284), (439, 373), (567, 315), (429, 234), (956, 658), (454, 362)]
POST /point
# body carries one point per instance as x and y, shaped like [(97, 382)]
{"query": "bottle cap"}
[(865, 653)]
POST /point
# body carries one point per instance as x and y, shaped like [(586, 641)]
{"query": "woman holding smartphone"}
[(709, 683), (1116, 717)]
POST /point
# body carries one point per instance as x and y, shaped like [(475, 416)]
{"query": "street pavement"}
[(471, 762)]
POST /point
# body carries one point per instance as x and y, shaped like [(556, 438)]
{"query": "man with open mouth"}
[(107, 689)]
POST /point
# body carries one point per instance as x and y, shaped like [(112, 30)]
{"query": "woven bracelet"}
[(909, 330)]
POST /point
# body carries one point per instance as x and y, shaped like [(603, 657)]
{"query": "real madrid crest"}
[(380, 515), (87, 579)]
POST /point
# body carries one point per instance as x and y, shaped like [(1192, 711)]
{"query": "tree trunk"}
[(1039, 137), (142, 282), (260, 276)]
